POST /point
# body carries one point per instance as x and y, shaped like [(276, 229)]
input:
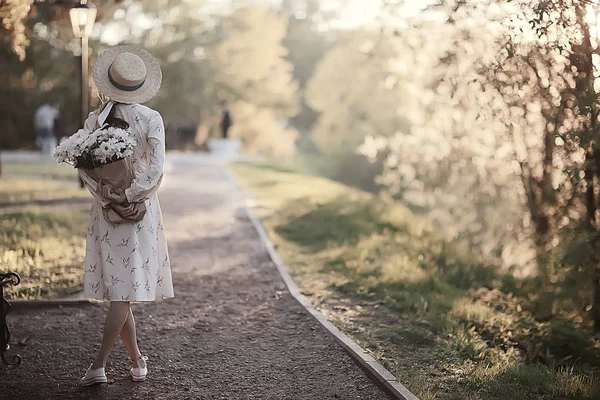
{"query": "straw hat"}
[(127, 74)]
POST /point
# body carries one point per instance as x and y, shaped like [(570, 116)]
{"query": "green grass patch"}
[(448, 326), (412, 334), (46, 248)]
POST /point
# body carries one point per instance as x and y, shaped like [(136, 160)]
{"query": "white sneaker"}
[(93, 376), (138, 374)]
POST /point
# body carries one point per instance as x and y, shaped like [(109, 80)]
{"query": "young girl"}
[(129, 261)]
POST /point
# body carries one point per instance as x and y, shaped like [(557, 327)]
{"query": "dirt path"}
[(232, 332)]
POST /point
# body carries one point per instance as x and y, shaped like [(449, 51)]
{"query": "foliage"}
[(46, 74), (201, 62), (498, 141), (180, 43), (44, 77), (12, 30), (350, 112), (306, 47)]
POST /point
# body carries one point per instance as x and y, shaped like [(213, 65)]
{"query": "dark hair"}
[(115, 122)]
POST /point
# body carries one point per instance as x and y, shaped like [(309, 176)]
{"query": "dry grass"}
[(46, 247)]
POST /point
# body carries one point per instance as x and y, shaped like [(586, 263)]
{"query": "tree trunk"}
[(586, 90), (547, 189), (596, 244), (537, 206)]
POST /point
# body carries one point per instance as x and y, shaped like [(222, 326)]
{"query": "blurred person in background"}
[(60, 129), (226, 120), (44, 124)]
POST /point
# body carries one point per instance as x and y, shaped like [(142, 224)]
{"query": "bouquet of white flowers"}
[(89, 150), (103, 158)]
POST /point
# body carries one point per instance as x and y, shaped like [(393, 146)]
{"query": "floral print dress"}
[(130, 261)]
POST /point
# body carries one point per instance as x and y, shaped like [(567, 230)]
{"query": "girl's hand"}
[(126, 211), (114, 196)]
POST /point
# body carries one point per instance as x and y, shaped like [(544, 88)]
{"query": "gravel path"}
[(232, 331)]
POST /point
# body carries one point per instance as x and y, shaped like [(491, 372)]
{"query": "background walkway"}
[(232, 332)]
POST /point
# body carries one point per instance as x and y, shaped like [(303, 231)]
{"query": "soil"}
[(233, 331)]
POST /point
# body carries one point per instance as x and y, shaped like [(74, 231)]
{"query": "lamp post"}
[(83, 16)]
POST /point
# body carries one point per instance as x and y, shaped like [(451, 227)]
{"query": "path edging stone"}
[(384, 378)]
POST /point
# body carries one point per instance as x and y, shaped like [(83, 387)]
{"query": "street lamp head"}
[(83, 16)]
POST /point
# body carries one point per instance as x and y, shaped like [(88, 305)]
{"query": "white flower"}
[(100, 146), (60, 155)]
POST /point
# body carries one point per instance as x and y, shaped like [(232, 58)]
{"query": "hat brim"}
[(143, 94)]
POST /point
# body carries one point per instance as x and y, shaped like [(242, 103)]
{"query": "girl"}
[(128, 261)]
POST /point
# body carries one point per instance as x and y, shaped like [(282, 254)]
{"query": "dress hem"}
[(130, 301)]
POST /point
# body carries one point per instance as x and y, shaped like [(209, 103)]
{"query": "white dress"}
[(130, 261)]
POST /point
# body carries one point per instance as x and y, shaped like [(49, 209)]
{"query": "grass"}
[(442, 322), (24, 190), (47, 169), (46, 248), (28, 181)]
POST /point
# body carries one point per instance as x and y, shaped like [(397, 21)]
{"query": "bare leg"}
[(115, 319), (129, 337)]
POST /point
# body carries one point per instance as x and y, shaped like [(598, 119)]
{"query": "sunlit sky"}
[(351, 14)]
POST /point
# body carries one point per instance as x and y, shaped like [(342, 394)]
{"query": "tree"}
[(17, 16), (202, 63), (512, 104), (252, 72), (356, 95), (306, 47), (13, 14), (43, 71), (181, 43), (554, 76)]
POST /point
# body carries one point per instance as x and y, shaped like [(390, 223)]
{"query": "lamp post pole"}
[(85, 86), (83, 16)]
